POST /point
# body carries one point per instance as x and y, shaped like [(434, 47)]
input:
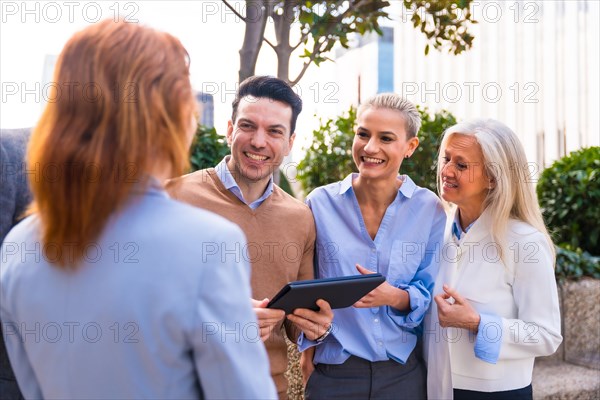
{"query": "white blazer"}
[(520, 289)]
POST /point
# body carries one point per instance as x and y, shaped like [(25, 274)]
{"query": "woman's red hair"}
[(122, 104)]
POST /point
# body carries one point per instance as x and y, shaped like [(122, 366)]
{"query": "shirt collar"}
[(407, 188), (149, 185), (223, 172), (456, 227)]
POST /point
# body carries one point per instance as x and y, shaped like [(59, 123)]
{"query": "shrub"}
[(328, 158), (208, 148), (284, 184), (575, 263), (422, 166), (569, 194)]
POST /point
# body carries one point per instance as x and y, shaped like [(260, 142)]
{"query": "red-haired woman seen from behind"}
[(107, 290)]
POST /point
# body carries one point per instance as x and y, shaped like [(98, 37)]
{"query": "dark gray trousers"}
[(361, 379)]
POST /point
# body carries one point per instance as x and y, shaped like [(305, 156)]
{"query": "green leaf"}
[(208, 148), (568, 192)]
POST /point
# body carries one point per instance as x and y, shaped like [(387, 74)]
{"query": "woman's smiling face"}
[(464, 179), (381, 143)]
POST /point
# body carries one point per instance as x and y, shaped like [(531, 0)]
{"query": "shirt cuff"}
[(489, 338), (413, 317), (303, 343)]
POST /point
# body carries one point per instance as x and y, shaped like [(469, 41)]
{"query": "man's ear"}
[(229, 132), (291, 142)]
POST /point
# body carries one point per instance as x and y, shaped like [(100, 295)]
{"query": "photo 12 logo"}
[(319, 92), (249, 11), (470, 92), (53, 92), (73, 331), (526, 12), (72, 11)]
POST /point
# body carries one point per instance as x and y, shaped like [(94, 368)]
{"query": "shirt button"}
[(380, 343), (376, 320)]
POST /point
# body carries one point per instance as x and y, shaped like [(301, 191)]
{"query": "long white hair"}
[(505, 163)]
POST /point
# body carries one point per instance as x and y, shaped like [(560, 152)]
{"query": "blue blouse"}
[(406, 250)]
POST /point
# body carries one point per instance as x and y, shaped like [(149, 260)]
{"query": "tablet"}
[(338, 292)]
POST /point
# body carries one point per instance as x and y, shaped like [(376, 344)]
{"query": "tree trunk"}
[(282, 32), (283, 51), (256, 21)]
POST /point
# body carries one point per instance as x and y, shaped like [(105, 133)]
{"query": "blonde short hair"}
[(393, 101)]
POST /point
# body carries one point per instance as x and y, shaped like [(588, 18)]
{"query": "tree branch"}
[(234, 10), (317, 47), (339, 19), (269, 43), (302, 39), (301, 74), (307, 64)]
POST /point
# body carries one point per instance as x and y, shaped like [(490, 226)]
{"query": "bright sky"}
[(30, 31), (212, 34)]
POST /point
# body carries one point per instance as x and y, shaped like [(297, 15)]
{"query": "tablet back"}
[(338, 292)]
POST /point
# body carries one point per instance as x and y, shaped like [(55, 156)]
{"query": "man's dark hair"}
[(269, 87)]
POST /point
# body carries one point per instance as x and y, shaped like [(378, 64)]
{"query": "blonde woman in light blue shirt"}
[(376, 221)]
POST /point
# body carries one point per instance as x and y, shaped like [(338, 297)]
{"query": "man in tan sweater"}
[(279, 229)]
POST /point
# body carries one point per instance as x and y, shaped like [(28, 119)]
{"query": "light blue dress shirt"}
[(406, 250), (230, 184), (457, 230), (486, 350), (150, 313)]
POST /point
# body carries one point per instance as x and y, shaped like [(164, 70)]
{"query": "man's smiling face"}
[(259, 138)]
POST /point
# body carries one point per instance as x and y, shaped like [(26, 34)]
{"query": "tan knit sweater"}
[(280, 235)]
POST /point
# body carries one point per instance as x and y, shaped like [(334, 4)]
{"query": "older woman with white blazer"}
[(496, 302)]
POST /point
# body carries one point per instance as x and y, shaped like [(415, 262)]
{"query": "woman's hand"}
[(314, 324), (383, 295), (456, 311)]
